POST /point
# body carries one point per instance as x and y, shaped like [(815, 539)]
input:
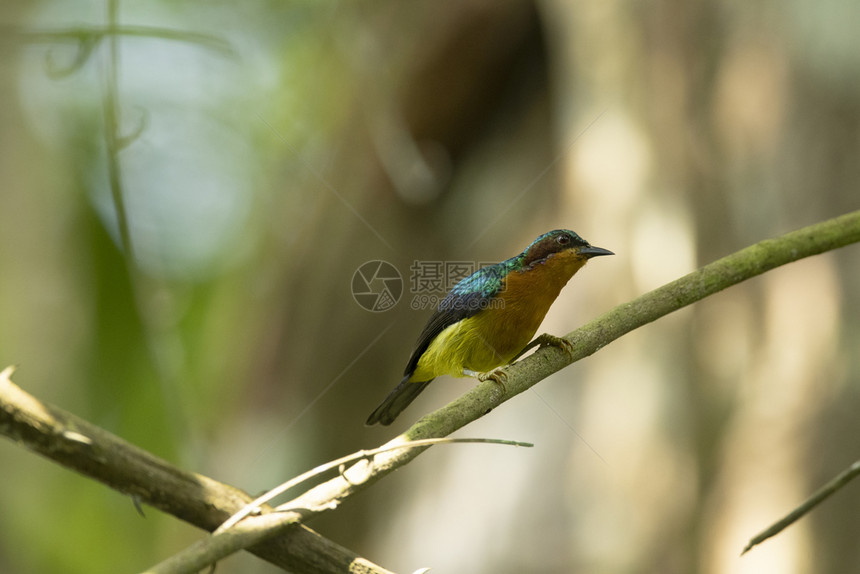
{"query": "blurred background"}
[(281, 145)]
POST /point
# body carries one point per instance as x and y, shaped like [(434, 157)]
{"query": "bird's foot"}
[(499, 376), (547, 340)]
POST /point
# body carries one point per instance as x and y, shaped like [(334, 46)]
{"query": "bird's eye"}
[(563, 239)]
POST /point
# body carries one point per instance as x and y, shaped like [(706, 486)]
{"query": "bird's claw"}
[(498, 376), (547, 340)]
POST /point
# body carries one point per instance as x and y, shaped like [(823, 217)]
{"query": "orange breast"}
[(494, 336), (528, 295)]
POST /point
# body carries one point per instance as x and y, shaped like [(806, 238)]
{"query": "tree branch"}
[(196, 499), (340, 462), (207, 503), (586, 340), (239, 532), (823, 494)]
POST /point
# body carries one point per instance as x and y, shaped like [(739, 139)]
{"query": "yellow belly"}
[(494, 336)]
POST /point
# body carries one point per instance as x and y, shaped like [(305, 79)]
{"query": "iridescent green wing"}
[(468, 298)]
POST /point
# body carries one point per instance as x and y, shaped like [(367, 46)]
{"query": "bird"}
[(488, 318)]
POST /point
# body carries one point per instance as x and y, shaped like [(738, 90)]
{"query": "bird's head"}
[(560, 242)]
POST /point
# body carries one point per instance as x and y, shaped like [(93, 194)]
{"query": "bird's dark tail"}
[(397, 400)]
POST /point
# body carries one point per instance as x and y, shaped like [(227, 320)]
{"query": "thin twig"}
[(95, 34), (362, 454), (242, 530), (823, 494), (110, 105)]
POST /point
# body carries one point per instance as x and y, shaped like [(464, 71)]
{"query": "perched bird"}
[(488, 318)]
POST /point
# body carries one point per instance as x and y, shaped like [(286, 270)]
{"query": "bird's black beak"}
[(591, 251)]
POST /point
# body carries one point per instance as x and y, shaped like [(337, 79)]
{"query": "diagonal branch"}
[(820, 496), (241, 531), (196, 499), (256, 505), (587, 340), (207, 503)]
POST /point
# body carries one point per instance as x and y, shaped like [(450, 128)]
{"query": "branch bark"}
[(194, 498)]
